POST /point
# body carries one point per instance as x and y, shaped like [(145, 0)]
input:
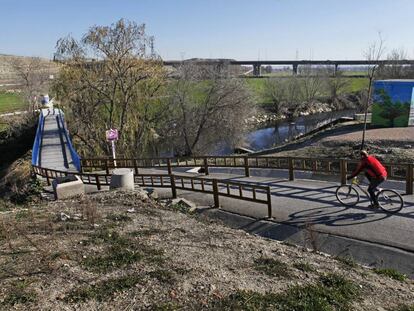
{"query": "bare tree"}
[(274, 93), (396, 70), (373, 53), (209, 107), (336, 86), (294, 97), (109, 80), (285, 95), (33, 74), (311, 83)]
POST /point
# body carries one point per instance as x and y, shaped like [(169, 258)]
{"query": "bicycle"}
[(389, 200)]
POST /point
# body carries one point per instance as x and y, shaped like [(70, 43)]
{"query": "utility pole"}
[(371, 77), (374, 52)]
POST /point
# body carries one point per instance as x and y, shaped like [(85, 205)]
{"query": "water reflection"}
[(285, 131), (275, 135)]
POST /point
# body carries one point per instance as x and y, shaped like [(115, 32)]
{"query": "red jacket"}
[(372, 167)]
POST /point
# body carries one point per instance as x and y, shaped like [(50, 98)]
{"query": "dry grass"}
[(106, 258)]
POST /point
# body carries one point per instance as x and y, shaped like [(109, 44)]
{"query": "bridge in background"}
[(257, 64)]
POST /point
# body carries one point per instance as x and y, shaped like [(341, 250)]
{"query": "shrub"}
[(393, 274), (272, 267)]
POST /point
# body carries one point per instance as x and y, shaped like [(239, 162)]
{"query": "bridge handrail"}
[(75, 157), (38, 140), (342, 167)]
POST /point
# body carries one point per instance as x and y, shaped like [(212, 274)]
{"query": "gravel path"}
[(402, 134)]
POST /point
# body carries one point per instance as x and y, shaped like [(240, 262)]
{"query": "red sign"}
[(112, 134)]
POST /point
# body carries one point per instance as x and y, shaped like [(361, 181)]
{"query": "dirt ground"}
[(123, 251), (400, 135)]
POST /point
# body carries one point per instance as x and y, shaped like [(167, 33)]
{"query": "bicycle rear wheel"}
[(390, 201), (347, 195)]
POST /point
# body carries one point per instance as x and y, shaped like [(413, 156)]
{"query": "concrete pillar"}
[(257, 70), (335, 70), (295, 69), (122, 178)]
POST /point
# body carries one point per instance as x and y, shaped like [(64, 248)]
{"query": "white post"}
[(113, 151), (411, 115)]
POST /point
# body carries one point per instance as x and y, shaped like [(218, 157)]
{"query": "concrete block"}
[(152, 193), (66, 187), (194, 170), (188, 204), (122, 178)]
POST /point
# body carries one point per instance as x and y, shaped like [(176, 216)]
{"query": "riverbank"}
[(274, 135), (267, 118), (343, 141)]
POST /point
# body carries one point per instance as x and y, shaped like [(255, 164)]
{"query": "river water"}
[(272, 136)]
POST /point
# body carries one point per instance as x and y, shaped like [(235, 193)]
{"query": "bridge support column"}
[(295, 69), (335, 70), (257, 70)]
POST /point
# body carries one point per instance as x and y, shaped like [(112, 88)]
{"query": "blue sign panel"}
[(393, 103)]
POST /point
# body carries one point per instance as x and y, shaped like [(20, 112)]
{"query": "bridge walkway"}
[(54, 148)]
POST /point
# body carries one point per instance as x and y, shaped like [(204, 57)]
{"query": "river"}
[(272, 136)]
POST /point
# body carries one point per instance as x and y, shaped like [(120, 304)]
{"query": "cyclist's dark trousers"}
[(373, 184)]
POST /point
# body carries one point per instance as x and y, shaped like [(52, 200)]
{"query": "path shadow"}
[(282, 189), (330, 217)]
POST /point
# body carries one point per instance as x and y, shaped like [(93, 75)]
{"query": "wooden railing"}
[(235, 190), (340, 167), (231, 189)]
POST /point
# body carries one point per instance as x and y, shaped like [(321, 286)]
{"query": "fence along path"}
[(215, 187), (338, 167)]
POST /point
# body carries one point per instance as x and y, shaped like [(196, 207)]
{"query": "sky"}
[(237, 29)]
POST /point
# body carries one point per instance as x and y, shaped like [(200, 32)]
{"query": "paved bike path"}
[(308, 202)]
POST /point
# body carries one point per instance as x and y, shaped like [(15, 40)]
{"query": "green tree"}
[(392, 110)]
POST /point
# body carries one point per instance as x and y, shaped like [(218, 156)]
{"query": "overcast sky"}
[(238, 29)]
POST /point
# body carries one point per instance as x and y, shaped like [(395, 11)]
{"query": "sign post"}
[(112, 136)]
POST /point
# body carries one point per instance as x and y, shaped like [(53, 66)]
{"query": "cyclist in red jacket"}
[(374, 171)]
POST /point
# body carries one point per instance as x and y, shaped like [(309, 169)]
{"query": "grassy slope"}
[(10, 102), (158, 258), (355, 84)]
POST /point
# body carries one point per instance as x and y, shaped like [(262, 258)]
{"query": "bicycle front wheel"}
[(347, 195), (390, 201)]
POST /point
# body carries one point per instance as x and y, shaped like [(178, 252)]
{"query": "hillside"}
[(8, 74), (124, 251)]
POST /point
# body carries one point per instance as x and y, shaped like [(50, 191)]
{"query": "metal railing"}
[(74, 155), (339, 167), (38, 140)]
